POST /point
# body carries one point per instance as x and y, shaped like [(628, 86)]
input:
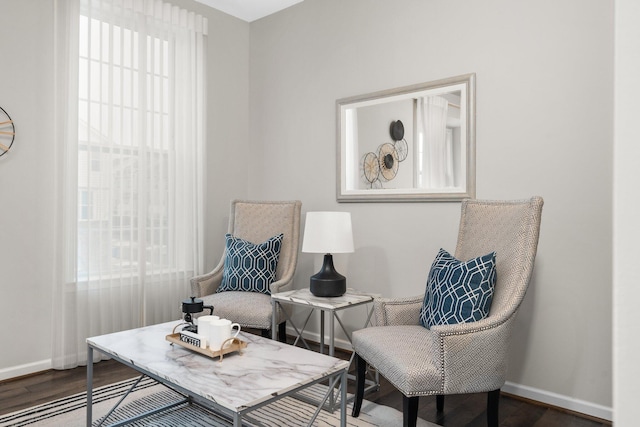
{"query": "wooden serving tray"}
[(236, 345)]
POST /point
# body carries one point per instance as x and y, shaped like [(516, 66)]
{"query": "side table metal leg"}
[(332, 315), (332, 333), (321, 331)]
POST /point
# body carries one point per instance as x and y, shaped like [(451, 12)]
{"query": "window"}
[(127, 149), (130, 122)]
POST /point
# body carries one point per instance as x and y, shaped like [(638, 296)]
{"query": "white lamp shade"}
[(328, 232)]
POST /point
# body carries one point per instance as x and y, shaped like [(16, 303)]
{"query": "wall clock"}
[(7, 132)]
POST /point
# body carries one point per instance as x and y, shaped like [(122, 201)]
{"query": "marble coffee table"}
[(267, 370)]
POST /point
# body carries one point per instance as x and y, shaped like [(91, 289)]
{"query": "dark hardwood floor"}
[(460, 410)]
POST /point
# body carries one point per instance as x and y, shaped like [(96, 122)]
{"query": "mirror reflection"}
[(412, 143)]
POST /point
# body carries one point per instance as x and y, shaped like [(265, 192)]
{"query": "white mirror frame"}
[(352, 186)]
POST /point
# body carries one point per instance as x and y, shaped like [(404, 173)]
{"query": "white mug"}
[(204, 325), (220, 331)]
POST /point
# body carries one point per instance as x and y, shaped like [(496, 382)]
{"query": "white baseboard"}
[(29, 368), (315, 337), (559, 400), (543, 396)]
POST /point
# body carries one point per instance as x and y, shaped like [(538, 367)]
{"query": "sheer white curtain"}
[(435, 146), (130, 109)]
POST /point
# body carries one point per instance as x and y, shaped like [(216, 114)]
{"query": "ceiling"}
[(249, 10)]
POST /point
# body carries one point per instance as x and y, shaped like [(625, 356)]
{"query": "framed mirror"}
[(413, 143)]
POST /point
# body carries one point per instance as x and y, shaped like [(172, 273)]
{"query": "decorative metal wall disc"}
[(7, 132), (371, 167), (388, 161), (402, 148)]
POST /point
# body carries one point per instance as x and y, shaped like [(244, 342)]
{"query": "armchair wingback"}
[(466, 357), (255, 221)]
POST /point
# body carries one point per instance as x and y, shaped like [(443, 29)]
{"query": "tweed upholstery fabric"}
[(256, 221), (407, 356), (470, 357), (397, 311), (510, 228), (255, 307)]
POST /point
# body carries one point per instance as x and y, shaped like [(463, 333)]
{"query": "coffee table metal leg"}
[(89, 385), (343, 399)]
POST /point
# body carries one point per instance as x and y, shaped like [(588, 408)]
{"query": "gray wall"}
[(27, 194), (544, 127)]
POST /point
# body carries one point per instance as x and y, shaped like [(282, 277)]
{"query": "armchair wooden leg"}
[(440, 402), (361, 372), (493, 401), (282, 332), (410, 411)]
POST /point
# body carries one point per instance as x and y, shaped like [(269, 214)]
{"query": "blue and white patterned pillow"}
[(250, 267), (458, 292)]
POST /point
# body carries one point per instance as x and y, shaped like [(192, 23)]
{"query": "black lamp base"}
[(328, 282)]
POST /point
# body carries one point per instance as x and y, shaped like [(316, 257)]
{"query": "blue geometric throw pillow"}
[(249, 267), (458, 292)]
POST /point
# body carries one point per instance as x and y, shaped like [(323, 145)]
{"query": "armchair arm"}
[(207, 284), (282, 285), (285, 283), (489, 322), (397, 311)]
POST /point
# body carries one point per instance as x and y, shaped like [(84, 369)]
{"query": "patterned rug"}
[(71, 411)]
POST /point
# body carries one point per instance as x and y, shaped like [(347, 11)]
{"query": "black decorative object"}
[(400, 144), (191, 306), (396, 130), (328, 282)]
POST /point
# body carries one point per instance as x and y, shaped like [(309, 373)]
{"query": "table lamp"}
[(327, 233)]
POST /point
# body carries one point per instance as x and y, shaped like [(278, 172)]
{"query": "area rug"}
[(286, 412)]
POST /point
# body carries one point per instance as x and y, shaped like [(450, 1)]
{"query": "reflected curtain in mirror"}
[(435, 151)]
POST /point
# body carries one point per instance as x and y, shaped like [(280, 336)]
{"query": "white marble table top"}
[(305, 297), (265, 368)]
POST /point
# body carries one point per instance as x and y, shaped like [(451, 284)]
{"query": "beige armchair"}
[(460, 358), (255, 221)]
